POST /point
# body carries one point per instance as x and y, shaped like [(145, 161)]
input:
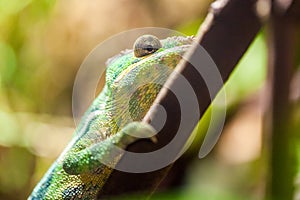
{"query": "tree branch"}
[(228, 30)]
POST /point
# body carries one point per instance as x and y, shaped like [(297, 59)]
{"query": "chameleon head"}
[(134, 77)]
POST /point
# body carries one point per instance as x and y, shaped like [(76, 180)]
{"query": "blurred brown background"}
[(42, 44)]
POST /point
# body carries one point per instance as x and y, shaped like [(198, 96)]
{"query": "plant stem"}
[(282, 57)]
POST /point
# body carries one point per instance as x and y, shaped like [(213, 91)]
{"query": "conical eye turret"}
[(145, 45)]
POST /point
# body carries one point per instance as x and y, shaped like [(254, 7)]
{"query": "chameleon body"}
[(133, 80)]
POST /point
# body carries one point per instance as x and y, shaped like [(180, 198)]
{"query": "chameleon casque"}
[(78, 172)]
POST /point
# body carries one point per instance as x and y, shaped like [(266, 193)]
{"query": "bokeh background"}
[(43, 43)]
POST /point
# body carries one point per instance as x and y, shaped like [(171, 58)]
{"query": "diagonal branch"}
[(228, 30)]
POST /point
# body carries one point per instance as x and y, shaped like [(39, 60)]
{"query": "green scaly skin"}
[(78, 172)]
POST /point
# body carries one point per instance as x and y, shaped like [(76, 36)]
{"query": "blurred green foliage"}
[(17, 65)]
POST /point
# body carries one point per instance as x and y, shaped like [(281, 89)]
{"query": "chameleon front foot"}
[(109, 150)]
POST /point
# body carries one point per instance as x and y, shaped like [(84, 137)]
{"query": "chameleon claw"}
[(154, 139)]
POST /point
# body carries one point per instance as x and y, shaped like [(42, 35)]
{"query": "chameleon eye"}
[(145, 45)]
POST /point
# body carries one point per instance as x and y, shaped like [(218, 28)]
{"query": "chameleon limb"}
[(90, 159)]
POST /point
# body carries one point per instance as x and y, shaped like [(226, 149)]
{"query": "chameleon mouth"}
[(178, 50)]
